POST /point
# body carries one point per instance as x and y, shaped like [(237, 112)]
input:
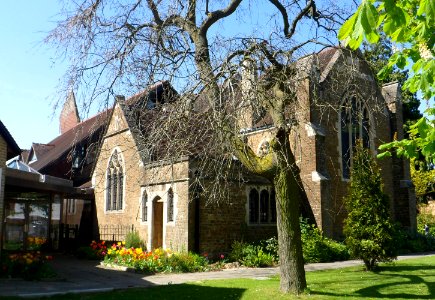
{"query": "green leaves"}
[(363, 22), (369, 20), (411, 24), (427, 8), (422, 141), (368, 228)]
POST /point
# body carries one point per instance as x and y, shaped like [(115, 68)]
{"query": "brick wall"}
[(154, 180), (316, 143), (223, 223)]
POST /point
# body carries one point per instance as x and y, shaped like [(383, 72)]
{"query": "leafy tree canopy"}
[(410, 25)]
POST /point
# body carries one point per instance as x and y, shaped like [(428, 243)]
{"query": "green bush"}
[(255, 255), (186, 262), (133, 240), (414, 243), (425, 219), (318, 248), (368, 228)]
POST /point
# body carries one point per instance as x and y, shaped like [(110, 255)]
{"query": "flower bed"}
[(27, 265), (158, 260)]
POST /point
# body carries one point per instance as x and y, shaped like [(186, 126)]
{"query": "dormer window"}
[(32, 158), (78, 156)]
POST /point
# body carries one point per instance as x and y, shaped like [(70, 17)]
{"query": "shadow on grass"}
[(176, 291), (400, 268), (192, 291), (379, 291)]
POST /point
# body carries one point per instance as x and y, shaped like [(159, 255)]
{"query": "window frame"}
[(358, 125), (115, 181), (144, 207), (256, 215)]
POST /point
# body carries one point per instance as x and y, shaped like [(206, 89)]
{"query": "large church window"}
[(354, 125), (114, 183)]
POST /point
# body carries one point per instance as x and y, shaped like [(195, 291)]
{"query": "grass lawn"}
[(408, 279)]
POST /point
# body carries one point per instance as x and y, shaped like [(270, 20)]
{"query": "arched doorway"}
[(157, 241)]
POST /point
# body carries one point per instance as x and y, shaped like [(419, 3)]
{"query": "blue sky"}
[(28, 73)]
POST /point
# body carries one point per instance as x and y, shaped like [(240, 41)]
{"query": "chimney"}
[(69, 117), (120, 98), (249, 79)]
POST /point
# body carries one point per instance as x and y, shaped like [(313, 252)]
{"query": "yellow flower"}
[(28, 261), (123, 243), (119, 243)]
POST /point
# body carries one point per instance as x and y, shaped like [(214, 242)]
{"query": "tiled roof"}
[(54, 158), (40, 149), (62, 145), (13, 148), (325, 55)]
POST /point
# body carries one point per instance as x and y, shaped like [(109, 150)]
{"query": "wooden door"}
[(157, 224)]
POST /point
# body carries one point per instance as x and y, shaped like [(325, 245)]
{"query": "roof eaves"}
[(9, 139)]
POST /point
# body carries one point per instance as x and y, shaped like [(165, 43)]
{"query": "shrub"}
[(425, 218), (368, 228), (133, 240), (318, 248), (251, 255), (424, 182), (412, 243), (185, 262)]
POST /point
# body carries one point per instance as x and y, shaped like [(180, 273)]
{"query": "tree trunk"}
[(288, 212)]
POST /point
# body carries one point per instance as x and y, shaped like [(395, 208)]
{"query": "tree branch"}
[(153, 7), (263, 166), (289, 31), (191, 11), (215, 16)]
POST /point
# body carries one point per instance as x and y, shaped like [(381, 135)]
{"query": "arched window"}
[(253, 206), (170, 204), (144, 207), (262, 206), (114, 183), (354, 125)]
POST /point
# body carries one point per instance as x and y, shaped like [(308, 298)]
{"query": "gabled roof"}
[(13, 148), (62, 145), (38, 150), (141, 106)]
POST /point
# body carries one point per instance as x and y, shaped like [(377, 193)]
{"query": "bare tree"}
[(126, 45)]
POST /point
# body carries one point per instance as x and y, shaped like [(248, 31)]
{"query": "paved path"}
[(78, 276)]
